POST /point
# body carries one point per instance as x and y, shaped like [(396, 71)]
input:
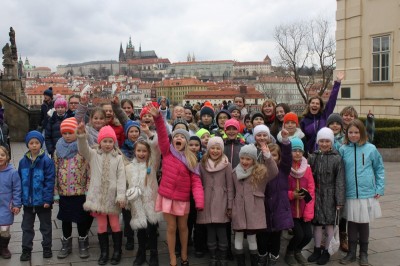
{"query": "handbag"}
[(335, 241)]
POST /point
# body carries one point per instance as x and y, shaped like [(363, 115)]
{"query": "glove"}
[(133, 193)]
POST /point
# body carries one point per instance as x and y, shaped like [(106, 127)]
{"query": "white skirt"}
[(363, 210)]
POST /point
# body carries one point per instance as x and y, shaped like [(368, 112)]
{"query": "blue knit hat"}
[(49, 92), (130, 124), (297, 144), (34, 134)]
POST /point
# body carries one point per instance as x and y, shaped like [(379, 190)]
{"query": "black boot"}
[(315, 255), (130, 243), (103, 240), (213, 257), (153, 261), (263, 260), (140, 257), (324, 258), (351, 255), (253, 258), (5, 252), (223, 258), (240, 258), (117, 241), (364, 254)]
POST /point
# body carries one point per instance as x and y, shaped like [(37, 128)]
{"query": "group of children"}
[(256, 185)]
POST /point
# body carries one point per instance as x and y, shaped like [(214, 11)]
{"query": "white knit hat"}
[(249, 150), (325, 133), (261, 129)]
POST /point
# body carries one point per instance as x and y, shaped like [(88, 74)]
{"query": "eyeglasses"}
[(73, 103)]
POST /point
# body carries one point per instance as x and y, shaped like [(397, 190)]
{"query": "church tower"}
[(121, 54)]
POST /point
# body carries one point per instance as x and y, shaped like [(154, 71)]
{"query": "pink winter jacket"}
[(177, 180), (302, 178)]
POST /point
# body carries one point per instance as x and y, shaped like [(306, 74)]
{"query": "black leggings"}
[(83, 227), (302, 235), (358, 231), (269, 242)]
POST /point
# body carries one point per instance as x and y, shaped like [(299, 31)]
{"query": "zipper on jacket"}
[(355, 168)]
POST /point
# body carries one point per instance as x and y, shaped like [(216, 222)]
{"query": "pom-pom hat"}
[(261, 129), (69, 125), (207, 110), (215, 141), (325, 133), (49, 92)]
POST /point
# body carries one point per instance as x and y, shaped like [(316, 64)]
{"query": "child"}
[(236, 114), (301, 181), (256, 119), (106, 193), (207, 118), (97, 120), (248, 211), (132, 133), (365, 184), (180, 177), (72, 181), (221, 117), (328, 173), (195, 147), (291, 124), (204, 136), (277, 206), (216, 175), (142, 193), (10, 199), (335, 123), (37, 174), (233, 141)]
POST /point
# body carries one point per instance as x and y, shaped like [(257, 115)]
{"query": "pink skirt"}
[(174, 207)]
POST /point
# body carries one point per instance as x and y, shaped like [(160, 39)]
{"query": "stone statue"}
[(13, 44), (7, 56)]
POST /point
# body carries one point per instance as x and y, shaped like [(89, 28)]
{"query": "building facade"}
[(368, 50), (93, 68), (220, 69), (254, 68)]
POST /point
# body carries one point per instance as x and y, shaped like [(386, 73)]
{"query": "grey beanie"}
[(183, 132), (335, 117), (249, 150)]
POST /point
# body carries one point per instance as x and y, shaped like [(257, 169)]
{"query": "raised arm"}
[(118, 111)]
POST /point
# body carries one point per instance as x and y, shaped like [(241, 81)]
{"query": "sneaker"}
[(25, 256), (47, 253)]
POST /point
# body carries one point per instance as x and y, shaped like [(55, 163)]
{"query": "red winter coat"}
[(302, 178), (177, 180), (119, 131)]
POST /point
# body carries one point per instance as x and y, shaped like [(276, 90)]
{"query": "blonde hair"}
[(8, 158), (206, 156), (258, 174), (190, 157), (363, 132)]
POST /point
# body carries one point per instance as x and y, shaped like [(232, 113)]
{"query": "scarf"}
[(299, 173), (66, 150), (241, 173), (92, 135), (211, 167), (181, 157)]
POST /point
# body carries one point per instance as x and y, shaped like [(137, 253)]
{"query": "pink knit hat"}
[(106, 132), (232, 122), (60, 102), (215, 141)]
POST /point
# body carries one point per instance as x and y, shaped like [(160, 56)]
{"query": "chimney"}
[(243, 89)]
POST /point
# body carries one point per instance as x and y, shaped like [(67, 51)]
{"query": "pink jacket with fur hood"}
[(302, 178), (177, 180)]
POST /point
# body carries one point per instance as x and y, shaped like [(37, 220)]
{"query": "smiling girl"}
[(180, 177), (216, 176)]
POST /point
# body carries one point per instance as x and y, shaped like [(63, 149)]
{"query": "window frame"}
[(381, 54)]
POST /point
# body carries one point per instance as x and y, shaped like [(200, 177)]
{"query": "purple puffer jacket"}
[(310, 124), (277, 205)]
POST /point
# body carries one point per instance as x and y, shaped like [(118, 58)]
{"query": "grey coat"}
[(218, 194), (330, 191), (248, 211)]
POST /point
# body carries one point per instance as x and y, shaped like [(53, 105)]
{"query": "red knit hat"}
[(69, 125), (144, 111), (232, 122), (106, 132), (291, 117)]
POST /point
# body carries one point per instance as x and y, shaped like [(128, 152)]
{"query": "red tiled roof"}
[(39, 89), (148, 61)]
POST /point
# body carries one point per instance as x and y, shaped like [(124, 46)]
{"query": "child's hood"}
[(8, 168)]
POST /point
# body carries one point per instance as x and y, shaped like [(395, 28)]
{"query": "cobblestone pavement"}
[(384, 247)]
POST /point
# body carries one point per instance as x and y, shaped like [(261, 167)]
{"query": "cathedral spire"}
[(130, 42), (121, 53)]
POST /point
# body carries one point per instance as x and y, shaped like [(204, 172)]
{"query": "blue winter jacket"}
[(10, 194), (365, 172), (37, 179)]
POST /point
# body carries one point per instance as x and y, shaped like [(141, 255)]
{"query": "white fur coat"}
[(143, 207)]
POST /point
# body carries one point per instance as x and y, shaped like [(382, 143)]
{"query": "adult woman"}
[(281, 109), (316, 114), (268, 110), (128, 107)]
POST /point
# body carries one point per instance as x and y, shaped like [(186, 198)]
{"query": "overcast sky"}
[(50, 33)]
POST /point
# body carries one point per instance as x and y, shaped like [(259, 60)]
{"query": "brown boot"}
[(344, 245), (5, 252)]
